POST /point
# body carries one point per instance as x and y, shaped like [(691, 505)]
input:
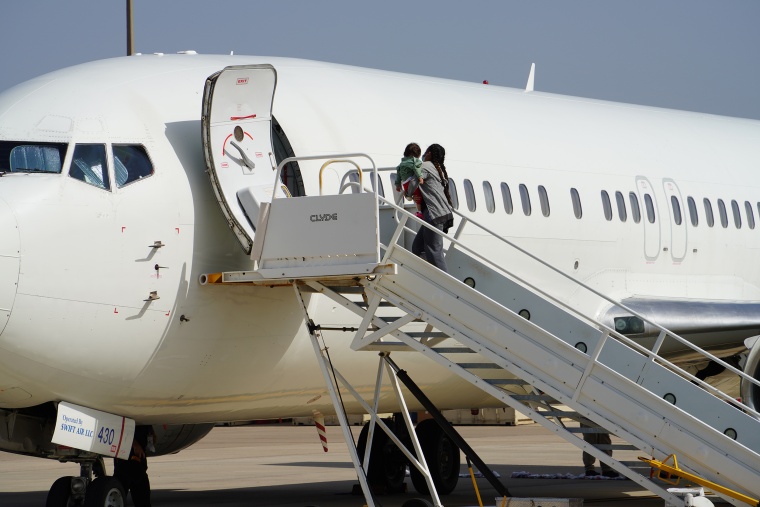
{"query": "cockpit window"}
[(26, 157), (89, 165), (131, 163)]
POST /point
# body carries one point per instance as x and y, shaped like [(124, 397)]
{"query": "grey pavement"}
[(282, 465)]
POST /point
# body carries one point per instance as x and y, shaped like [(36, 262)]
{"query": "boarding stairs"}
[(507, 335)]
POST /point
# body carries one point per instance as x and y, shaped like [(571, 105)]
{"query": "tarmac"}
[(284, 466)]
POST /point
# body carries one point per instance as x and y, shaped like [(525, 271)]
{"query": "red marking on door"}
[(249, 135), (167, 313), (115, 310), (177, 229), (122, 229), (236, 118), (224, 144), (242, 80)]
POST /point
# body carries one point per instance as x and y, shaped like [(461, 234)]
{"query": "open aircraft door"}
[(237, 142)]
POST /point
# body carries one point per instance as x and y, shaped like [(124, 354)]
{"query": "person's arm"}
[(418, 173)]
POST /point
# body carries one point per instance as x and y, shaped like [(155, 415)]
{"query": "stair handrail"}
[(652, 354), (345, 157)]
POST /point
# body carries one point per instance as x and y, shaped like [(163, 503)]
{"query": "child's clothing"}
[(407, 171)]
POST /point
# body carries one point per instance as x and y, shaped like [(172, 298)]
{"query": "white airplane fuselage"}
[(78, 262)]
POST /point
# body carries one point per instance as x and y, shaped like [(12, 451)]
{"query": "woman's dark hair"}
[(437, 156), (412, 150)]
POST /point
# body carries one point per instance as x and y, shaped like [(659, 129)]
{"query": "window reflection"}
[(506, 196), (576, 198), (607, 205), (89, 165), (131, 163), (635, 210), (26, 157), (543, 198), (525, 199), (488, 193)]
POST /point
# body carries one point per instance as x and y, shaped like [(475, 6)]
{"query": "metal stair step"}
[(479, 366), (382, 304), (592, 429), (423, 334), (452, 350), (616, 447), (533, 397), (389, 319), (562, 413), (506, 381)]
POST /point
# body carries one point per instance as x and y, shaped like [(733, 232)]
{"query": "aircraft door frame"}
[(237, 143), (652, 235), (678, 233)]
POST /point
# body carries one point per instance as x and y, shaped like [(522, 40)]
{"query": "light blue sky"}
[(696, 55)]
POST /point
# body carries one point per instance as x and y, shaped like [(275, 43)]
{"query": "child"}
[(408, 171)]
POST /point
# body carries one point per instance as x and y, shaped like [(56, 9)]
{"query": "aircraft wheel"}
[(59, 493), (105, 492), (442, 457), (387, 468)]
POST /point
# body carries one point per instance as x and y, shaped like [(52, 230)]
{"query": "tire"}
[(59, 493), (387, 470), (442, 457), (105, 492)]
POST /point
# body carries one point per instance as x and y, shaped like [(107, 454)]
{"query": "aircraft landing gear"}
[(387, 468), (81, 490), (60, 494), (442, 457), (105, 492)]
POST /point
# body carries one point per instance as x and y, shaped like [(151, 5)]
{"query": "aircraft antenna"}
[(531, 78), (130, 32)]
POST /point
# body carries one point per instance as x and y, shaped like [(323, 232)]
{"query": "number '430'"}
[(106, 435)]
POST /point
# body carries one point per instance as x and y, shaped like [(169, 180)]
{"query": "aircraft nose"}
[(9, 261)]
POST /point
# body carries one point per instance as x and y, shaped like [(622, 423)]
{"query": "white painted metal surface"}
[(610, 379), (80, 328), (94, 431), (237, 107)]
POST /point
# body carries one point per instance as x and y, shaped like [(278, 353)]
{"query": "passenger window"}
[(488, 192), (622, 213), (506, 196), (130, 163), (89, 165), (693, 211), (723, 213), (576, 198), (543, 198), (525, 198), (750, 215), (676, 209), (607, 205), (737, 214), (709, 212), (469, 195), (24, 157), (453, 194), (650, 208), (635, 210)]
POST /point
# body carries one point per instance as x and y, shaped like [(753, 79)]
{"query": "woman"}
[(436, 206)]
